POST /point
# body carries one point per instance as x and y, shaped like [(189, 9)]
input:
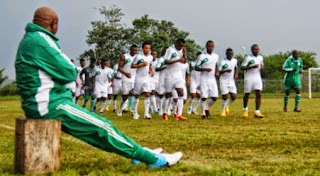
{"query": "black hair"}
[(133, 46), (229, 49), (254, 45), (146, 43), (93, 59), (103, 60), (81, 60), (208, 42), (180, 40)]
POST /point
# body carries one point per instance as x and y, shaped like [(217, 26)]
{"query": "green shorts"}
[(289, 85)]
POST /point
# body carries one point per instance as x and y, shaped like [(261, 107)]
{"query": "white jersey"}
[(173, 54), (162, 74), (103, 76), (127, 68), (78, 79), (195, 75), (155, 78), (254, 73), (184, 70), (142, 74), (206, 60), (226, 64), (117, 76)]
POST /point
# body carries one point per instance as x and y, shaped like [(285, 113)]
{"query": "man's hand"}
[(254, 66), (128, 75), (228, 71), (145, 63), (236, 76), (208, 69)]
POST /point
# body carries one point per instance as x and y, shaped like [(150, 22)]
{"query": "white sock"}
[(135, 105), (229, 101), (245, 109), (174, 106), (115, 104), (166, 105), (154, 103), (210, 103), (257, 111), (125, 104), (223, 107), (158, 102), (108, 103), (196, 104), (180, 106), (146, 105), (191, 103), (161, 104), (203, 107), (103, 105)]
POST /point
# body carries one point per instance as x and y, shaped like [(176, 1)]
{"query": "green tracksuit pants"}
[(98, 132)]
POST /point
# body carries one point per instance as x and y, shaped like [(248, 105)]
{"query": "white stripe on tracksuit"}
[(94, 121)]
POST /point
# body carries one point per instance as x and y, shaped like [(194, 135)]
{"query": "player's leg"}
[(86, 97), (93, 100), (286, 99), (147, 92), (191, 102), (175, 102), (136, 91), (233, 94), (153, 100), (197, 102), (100, 133), (257, 112), (223, 105), (247, 90), (179, 86), (297, 100), (125, 94)]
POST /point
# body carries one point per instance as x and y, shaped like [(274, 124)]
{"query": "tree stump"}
[(37, 147)]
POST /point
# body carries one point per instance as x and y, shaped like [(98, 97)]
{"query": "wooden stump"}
[(37, 148)]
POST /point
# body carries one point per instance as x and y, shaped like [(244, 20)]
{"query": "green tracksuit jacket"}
[(292, 78)]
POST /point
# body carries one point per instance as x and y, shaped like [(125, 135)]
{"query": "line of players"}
[(163, 81)]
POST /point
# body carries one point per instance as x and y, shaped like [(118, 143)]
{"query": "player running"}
[(89, 83), (79, 85), (252, 64), (293, 67), (228, 74), (116, 86), (174, 57), (161, 68), (195, 96), (207, 65), (128, 77), (142, 62), (102, 81)]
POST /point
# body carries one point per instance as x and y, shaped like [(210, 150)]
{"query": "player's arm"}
[(286, 66), (236, 72), (138, 63), (81, 73), (159, 66), (198, 66), (56, 64), (151, 70), (121, 64), (245, 66), (169, 61), (301, 66), (217, 73)]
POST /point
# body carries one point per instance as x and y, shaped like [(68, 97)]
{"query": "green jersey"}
[(42, 71), (292, 78)]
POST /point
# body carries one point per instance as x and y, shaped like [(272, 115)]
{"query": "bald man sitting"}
[(43, 70)]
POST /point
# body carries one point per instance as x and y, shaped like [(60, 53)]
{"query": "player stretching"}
[(252, 64), (142, 81), (207, 65), (128, 77), (174, 57), (89, 83), (228, 73), (293, 67)]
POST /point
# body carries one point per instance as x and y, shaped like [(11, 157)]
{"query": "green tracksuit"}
[(292, 78), (42, 71)]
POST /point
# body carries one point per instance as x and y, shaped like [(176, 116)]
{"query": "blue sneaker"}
[(156, 151), (166, 160)]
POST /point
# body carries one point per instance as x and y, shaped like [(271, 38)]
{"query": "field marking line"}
[(7, 127)]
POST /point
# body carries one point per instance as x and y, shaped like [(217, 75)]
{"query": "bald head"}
[(46, 18), (295, 54)]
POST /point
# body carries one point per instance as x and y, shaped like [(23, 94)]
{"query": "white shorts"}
[(226, 88), (79, 91), (161, 89), (252, 84), (194, 87), (127, 87), (209, 90), (71, 86), (154, 85), (101, 90), (142, 87), (175, 93), (110, 90), (171, 84)]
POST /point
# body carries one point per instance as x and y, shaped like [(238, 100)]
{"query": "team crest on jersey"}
[(173, 55), (140, 61), (127, 61), (251, 62), (204, 61), (225, 66)]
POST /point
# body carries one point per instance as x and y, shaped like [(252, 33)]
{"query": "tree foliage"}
[(111, 38), (2, 77)]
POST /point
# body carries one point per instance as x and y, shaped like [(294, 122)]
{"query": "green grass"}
[(279, 144)]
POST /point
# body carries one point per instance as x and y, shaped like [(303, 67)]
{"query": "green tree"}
[(161, 33), (109, 36), (2, 77)]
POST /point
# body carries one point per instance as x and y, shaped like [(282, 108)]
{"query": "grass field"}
[(279, 144)]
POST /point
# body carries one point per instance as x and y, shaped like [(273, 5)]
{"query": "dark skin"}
[(295, 55), (133, 51), (233, 96), (92, 65), (179, 46), (146, 50), (210, 48), (255, 51), (46, 18)]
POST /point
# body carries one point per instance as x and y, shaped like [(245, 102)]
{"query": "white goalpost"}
[(310, 80)]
